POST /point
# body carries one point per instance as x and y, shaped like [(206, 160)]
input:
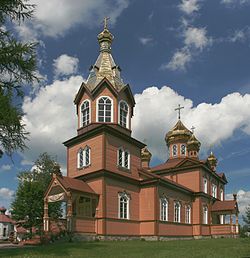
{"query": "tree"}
[(17, 67), (28, 203), (246, 218)]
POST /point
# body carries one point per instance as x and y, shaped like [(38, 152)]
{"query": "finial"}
[(192, 129), (105, 21), (179, 111)]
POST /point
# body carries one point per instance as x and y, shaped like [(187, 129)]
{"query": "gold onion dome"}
[(178, 133), (212, 160), (193, 144), (145, 154)]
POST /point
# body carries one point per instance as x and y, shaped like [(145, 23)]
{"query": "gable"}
[(188, 163)]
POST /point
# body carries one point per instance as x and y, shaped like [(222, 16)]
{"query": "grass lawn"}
[(138, 249)]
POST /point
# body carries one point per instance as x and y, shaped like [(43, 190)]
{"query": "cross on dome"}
[(192, 129), (105, 21), (179, 111)]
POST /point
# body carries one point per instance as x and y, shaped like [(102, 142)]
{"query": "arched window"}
[(164, 209), (214, 190), (183, 149), (177, 212), (204, 185), (105, 110), (123, 158), (83, 157), (123, 114), (221, 194), (85, 113), (205, 215), (188, 214), (174, 150), (123, 205)]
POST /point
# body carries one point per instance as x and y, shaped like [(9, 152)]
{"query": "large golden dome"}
[(178, 133)]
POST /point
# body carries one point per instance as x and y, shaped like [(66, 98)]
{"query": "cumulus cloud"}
[(234, 2), (243, 198), (65, 65), (51, 119), (6, 193), (145, 40), (189, 6), (231, 112), (179, 60), (5, 167), (55, 17)]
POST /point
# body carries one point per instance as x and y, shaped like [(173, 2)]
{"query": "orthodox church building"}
[(111, 190)]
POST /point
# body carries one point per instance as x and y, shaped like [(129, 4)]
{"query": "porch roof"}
[(220, 206), (75, 184)]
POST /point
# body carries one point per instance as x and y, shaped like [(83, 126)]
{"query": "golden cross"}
[(179, 111), (105, 21)]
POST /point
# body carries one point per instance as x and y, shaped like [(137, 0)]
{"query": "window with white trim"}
[(85, 113), (221, 194), (183, 149), (214, 190), (204, 185), (123, 199), (123, 158), (123, 114), (164, 209), (205, 215), (177, 212), (188, 214), (174, 150), (105, 110), (83, 157)]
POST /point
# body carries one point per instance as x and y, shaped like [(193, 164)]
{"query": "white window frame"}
[(82, 151), (214, 190), (221, 194), (205, 185), (81, 115), (123, 158), (127, 197), (164, 209), (119, 113), (175, 155), (112, 109), (177, 212), (205, 215), (188, 214), (184, 151)]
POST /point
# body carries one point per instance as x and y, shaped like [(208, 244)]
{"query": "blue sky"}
[(192, 52)]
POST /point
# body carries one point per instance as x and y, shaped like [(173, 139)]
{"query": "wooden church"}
[(110, 189)]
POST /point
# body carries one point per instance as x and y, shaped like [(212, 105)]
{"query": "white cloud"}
[(5, 167), (196, 37), (238, 35), (231, 113), (65, 65), (145, 40), (243, 199), (6, 193), (179, 60), (50, 118), (234, 2), (55, 17), (189, 6)]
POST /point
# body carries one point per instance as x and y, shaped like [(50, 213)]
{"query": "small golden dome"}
[(193, 144), (178, 133), (145, 154), (212, 161)]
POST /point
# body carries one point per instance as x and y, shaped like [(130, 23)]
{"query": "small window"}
[(205, 185), (221, 194), (123, 205), (123, 109), (164, 209), (177, 212), (183, 149), (85, 113), (214, 191), (105, 111), (84, 207), (188, 214), (83, 157), (205, 215), (123, 158), (174, 150)]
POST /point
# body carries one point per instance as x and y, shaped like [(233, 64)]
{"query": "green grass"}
[(139, 249)]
